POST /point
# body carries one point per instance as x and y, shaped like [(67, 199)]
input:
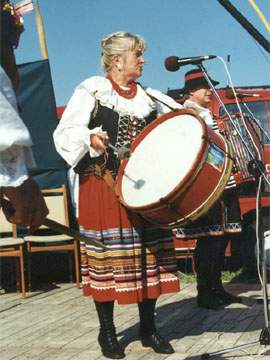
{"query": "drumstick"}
[(59, 227), (122, 152), (137, 183)]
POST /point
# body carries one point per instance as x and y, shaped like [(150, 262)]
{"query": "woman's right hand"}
[(99, 141), (27, 205)]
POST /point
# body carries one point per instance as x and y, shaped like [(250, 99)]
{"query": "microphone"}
[(173, 63), (230, 95)]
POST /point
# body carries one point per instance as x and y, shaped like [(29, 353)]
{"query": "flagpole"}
[(41, 33), (260, 14)]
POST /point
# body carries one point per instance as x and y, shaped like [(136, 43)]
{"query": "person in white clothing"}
[(221, 222), (27, 206)]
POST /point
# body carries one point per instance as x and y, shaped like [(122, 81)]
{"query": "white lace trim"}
[(204, 113), (140, 106), (13, 162)]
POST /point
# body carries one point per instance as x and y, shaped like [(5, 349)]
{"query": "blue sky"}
[(171, 27)]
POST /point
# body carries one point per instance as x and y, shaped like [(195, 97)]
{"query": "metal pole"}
[(41, 33)]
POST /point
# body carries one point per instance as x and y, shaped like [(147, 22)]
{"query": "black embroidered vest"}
[(121, 129)]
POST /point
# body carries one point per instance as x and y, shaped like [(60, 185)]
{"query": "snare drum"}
[(178, 169)]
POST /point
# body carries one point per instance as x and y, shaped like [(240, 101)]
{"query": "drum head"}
[(161, 160)]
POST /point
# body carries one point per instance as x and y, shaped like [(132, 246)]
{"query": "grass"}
[(187, 278), (239, 276)]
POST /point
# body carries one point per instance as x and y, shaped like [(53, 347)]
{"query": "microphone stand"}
[(256, 168), (258, 163), (264, 338)]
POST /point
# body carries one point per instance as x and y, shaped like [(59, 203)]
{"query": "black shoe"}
[(209, 300), (157, 343), (226, 297), (109, 344)]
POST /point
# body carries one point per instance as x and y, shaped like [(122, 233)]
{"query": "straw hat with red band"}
[(195, 78)]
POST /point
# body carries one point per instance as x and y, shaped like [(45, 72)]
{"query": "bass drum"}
[(177, 170)]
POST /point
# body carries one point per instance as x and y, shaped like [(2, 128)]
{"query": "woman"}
[(139, 263)]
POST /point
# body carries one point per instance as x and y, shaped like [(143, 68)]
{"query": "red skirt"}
[(139, 262)]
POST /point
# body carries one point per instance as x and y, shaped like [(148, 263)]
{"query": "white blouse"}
[(204, 113), (72, 134), (15, 141)]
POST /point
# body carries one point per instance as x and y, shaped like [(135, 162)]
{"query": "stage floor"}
[(57, 323)]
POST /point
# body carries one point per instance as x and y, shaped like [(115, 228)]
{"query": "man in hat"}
[(212, 229), (27, 203)]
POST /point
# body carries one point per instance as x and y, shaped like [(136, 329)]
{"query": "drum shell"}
[(195, 193)]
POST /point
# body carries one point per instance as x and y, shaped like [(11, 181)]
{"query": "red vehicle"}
[(256, 101), (259, 105)]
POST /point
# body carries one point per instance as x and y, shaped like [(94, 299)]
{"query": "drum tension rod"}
[(230, 156), (170, 205), (122, 152), (206, 138)]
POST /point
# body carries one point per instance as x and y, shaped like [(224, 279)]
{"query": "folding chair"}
[(11, 246), (45, 240)]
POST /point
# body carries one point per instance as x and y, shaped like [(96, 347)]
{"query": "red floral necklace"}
[(128, 93)]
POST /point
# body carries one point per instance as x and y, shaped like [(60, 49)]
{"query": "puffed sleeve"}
[(15, 141), (12, 129), (165, 103), (72, 135)]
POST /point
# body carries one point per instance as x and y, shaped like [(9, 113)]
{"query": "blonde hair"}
[(117, 44)]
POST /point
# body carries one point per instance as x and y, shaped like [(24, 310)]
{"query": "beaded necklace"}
[(128, 93)]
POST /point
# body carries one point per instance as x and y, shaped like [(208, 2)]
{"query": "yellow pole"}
[(41, 33), (260, 14)]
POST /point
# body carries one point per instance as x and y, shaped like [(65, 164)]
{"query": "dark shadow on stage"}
[(184, 318)]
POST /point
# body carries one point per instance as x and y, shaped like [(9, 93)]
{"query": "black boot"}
[(107, 339), (205, 268), (148, 333), (207, 299), (217, 288), (225, 297)]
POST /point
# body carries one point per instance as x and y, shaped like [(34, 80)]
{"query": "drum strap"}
[(106, 175), (162, 102), (108, 178)]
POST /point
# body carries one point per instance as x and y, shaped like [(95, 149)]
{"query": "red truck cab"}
[(257, 102)]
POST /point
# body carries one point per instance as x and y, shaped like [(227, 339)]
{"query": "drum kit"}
[(179, 167)]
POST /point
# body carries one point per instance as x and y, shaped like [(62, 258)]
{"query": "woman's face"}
[(132, 63)]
